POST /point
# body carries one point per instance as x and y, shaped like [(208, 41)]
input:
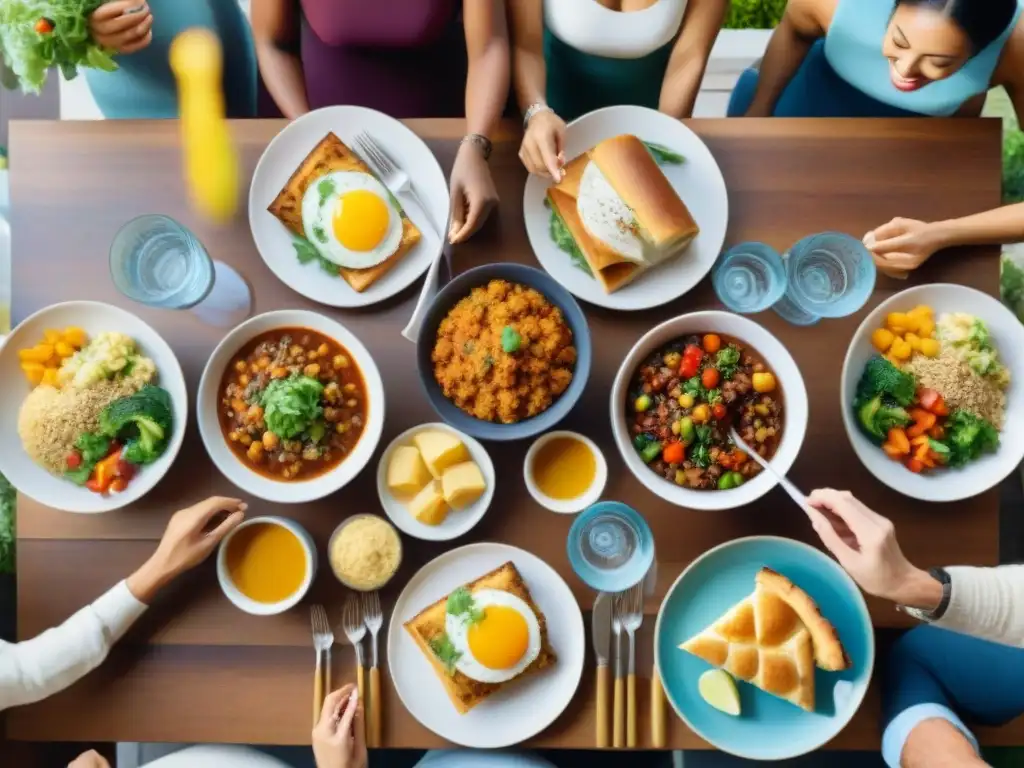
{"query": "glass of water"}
[(156, 261), (749, 277), (830, 274), (611, 547)]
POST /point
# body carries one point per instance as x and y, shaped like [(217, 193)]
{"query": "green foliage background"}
[(754, 14)]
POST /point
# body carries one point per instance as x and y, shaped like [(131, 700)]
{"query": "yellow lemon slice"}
[(718, 689)]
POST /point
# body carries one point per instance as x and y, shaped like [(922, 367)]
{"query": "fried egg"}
[(605, 216), (501, 643), (352, 219)]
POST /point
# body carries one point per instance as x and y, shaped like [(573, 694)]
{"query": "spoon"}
[(794, 493)]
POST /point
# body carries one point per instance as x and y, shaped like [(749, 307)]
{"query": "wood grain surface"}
[(196, 669)]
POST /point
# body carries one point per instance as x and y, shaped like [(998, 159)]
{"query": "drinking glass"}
[(830, 274), (749, 277), (610, 546), (156, 261)]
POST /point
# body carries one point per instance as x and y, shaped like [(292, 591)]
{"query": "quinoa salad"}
[(935, 395)]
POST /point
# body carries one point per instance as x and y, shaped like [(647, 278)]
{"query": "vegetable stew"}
[(293, 404), (683, 401)]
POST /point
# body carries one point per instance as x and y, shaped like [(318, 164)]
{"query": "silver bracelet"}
[(533, 109), (479, 141)]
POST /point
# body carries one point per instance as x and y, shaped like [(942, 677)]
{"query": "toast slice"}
[(464, 692), (331, 154)]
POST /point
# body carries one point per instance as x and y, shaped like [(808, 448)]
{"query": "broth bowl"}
[(239, 472), (779, 361), (255, 607)]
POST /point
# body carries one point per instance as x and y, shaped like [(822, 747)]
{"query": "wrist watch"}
[(943, 577), (479, 141)]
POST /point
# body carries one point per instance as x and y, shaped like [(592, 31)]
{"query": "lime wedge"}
[(718, 689)]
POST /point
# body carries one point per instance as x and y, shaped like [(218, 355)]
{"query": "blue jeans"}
[(935, 673)]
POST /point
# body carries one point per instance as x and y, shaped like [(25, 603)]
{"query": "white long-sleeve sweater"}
[(987, 603), (32, 670)]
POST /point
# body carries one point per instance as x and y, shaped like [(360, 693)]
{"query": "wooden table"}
[(195, 668)]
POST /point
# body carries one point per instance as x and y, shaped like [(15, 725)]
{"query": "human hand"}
[(865, 545), (90, 759), (124, 26), (903, 245), (339, 739), (542, 150), (473, 192), (191, 535)]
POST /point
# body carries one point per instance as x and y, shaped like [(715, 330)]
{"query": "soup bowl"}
[(241, 471), (245, 602), (757, 341)]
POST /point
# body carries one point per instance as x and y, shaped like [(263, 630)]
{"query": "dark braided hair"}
[(983, 21)]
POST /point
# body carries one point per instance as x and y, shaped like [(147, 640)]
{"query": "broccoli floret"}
[(877, 416), (144, 420), (969, 437), (881, 377)]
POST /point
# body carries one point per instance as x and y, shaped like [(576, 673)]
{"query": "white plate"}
[(285, 154), (698, 182), (525, 707), (458, 521), (239, 473), (978, 476), (94, 318)]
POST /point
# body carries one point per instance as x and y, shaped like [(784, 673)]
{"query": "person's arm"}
[(792, 39), (689, 57), (487, 49), (938, 743), (996, 227), (275, 30), (987, 603), (529, 69)]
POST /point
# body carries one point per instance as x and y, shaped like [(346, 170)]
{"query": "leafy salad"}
[(38, 34)]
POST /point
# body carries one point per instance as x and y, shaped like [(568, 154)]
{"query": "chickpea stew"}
[(685, 398), (293, 404)]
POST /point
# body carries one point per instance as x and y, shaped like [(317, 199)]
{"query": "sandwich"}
[(621, 212)]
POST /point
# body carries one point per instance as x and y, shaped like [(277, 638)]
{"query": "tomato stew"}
[(683, 401), (293, 404)]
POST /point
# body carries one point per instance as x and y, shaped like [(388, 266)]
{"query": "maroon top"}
[(406, 58)]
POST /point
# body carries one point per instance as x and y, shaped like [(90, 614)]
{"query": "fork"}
[(374, 620), (323, 639), (355, 631), (632, 618), (393, 177), (617, 713)]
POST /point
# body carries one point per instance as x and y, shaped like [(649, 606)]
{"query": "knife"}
[(601, 628)]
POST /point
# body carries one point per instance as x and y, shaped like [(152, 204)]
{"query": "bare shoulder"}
[(811, 17), (1010, 70)]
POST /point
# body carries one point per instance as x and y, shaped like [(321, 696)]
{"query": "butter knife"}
[(601, 629)]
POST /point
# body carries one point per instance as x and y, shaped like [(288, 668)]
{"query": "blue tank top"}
[(853, 49)]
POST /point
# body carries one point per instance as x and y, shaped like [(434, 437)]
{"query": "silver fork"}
[(393, 177), (355, 630), (374, 619), (632, 618), (617, 695), (323, 639)]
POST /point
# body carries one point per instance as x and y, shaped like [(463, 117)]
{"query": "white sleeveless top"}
[(590, 27)]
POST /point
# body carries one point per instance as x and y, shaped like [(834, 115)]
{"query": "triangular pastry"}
[(764, 641)]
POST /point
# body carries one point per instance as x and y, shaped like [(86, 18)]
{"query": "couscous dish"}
[(503, 353)]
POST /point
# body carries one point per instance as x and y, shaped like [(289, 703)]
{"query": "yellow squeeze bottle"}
[(211, 159)]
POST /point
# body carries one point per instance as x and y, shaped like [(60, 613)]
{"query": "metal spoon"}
[(794, 493)]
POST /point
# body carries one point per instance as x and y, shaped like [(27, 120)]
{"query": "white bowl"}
[(249, 605), (779, 361), (978, 476), (458, 521), (250, 481), (585, 499), (94, 318)]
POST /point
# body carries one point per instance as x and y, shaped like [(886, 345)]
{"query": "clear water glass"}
[(749, 277), (830, 274), (788, 309), (610, 546), (156, 261)]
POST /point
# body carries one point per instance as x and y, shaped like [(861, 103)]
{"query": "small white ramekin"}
[(585, 499)]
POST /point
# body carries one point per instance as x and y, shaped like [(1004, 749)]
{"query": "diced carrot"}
[(923, 421), (919, 440), (898, 439), (915, 465), (893, 452), (674, 453), (921, 452), (928, 462), (937, 432)]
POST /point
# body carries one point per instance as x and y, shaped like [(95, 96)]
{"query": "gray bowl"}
[(458, 289)]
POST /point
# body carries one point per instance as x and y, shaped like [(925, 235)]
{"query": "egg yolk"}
[(360, 220), (500, 639)]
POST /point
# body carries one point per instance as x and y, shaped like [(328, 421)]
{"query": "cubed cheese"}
[(428, 506), (462, 484), (407, 474), (440, 450)]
